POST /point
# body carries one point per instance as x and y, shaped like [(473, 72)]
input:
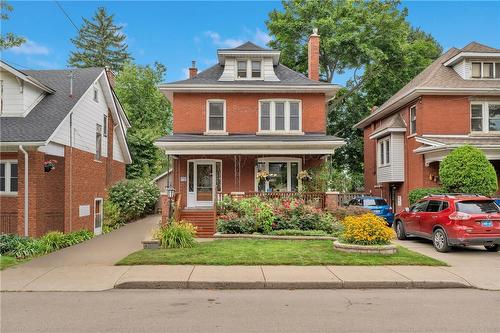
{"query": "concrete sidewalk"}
[(98, 277)]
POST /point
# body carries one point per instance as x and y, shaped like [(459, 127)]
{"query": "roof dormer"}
[(248, 62), (476, 62)]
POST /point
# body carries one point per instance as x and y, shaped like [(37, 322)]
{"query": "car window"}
[(374, 202), (434, 206), (419, 207), (444, 205), (477, 206)]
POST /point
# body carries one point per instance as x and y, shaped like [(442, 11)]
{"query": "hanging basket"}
[(49, 165)]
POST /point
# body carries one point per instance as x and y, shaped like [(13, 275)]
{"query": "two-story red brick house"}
[(248, 113), (454, 101), (67, 118)]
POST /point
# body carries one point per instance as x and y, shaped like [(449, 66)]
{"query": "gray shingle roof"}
[(248, 46), (286, 76), (394, 122), (41, 122), (478, 47), (247, 137)]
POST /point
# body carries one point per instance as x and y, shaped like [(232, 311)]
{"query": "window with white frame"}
[(413, 119), (216, 116), (8, 177), (384, 151), (280, 116), (485, 117), (105, 125), (98, 142), (282, 174), (247, 69), (96, 94), (485, 70)]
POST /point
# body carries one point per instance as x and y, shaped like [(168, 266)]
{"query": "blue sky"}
[(174, 33)]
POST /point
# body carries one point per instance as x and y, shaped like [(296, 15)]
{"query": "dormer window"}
[(249, 69), (485, 70)]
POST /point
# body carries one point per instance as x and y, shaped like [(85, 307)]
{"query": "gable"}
[(18, 97)]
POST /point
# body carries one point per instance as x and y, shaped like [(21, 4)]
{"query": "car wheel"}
[(440, 241), (400, 230), (492, 248)]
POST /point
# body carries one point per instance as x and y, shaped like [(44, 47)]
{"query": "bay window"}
[(485, 117), (216, 116), (413, 120), (280, 116), (8, 177), (384, 151), (282, 173)]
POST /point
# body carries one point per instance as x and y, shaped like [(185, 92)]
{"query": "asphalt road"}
[(452, 310)]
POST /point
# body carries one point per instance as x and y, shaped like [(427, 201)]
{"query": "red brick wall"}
[(444, 115), (242, 111)]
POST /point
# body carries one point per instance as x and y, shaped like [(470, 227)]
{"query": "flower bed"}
[(267, 216)]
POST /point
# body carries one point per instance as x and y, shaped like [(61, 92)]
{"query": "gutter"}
[(26, 190)]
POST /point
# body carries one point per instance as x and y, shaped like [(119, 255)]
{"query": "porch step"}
[(203, 219)]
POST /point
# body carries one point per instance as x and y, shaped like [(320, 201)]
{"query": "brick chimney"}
[(193, 71), (313, 56)]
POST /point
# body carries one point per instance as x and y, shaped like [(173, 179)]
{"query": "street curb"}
[(291, 285)]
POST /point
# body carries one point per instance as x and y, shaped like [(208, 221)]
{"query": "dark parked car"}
[(450, 220), (377, 205)]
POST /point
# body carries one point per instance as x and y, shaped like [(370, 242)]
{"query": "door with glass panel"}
[(204, 181)]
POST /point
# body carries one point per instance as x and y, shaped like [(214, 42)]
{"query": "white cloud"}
[(261, 37), (218, 41), (30, 48)]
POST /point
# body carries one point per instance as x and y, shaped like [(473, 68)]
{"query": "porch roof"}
[(248, 144)]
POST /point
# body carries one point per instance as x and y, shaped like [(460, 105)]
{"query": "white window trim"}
[(105, 125), (98, 158), (95, 96), (101, 213), (287, 160), (207, 117), (7, 191), (249, 69), (272, 114), (482, 62), (485, 114), (413, 131), (382, 146)]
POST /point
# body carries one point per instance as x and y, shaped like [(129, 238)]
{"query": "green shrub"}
[(420, 193), (233, 224), (297, 232), (29, 247), (77, 237), (366, 229), (54, 240), (106, 228), (134, 198), (8, 242), (340, 213), (176, 235), (467, 170), (112, 213)]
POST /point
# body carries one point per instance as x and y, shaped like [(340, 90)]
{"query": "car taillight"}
[(459, 216), (390, 209)]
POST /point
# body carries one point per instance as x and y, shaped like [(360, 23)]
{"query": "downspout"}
[(26, 188)]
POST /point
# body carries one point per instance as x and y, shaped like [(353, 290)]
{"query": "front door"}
[(98, 216), (204, 183)]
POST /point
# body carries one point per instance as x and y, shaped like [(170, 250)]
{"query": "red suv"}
[(450, 220)]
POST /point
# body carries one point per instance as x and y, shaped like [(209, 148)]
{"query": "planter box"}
[(374, 249), (151, 244)]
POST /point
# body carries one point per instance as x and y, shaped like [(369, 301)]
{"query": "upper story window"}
[(384, 151), (98, 142), (413, 120), (216, 116), (8, 177), (280, 116), (249, 69), (96, 94), (485, 117), (105, 125), (485, 70)]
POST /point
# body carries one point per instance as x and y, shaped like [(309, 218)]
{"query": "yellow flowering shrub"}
[(366, 229)]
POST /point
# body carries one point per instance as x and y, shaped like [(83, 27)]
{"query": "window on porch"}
[(282, 175)]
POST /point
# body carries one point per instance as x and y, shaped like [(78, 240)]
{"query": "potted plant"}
[(49, 165), (262, 175), (304, 176)]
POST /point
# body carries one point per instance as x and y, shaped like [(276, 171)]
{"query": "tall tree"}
[(9, 39), (100, 43), (149, 113)]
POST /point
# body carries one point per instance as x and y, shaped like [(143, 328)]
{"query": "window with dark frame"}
[(98, 142), (216, 116), (413, 120)]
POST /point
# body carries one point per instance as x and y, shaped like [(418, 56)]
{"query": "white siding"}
[(86, 115), (467, 69), (460, 69), (16, 100), (53, 149), (229, 70), (268, 70), (31, 96), (394, 172), (117, 150), (229, 73)]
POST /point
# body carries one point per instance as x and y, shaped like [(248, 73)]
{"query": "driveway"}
[(473, 263)]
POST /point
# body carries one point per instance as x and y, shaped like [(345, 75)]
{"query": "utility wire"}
[(67, 16)]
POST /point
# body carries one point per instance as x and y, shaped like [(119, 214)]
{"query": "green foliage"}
[(298, 232), (100, 43), (134, 198), (9, 39), (112, 214), (419, 193), (149, 112), (176, 235), (467, 170), (54, 240), (77, 237), (233, 224), (108, 228), (8, 242), (340, 213), (29, 247)]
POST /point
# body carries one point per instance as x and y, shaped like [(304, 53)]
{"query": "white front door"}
[(98, 216), (201, 183)]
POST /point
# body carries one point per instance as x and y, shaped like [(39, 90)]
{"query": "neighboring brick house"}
[(248, 113), (454, 101), (69, 116)]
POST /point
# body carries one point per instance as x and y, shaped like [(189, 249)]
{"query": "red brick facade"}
[(436, 115), (55, 196)]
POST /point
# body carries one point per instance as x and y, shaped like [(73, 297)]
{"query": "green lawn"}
[(6, 261), (271, 252)]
